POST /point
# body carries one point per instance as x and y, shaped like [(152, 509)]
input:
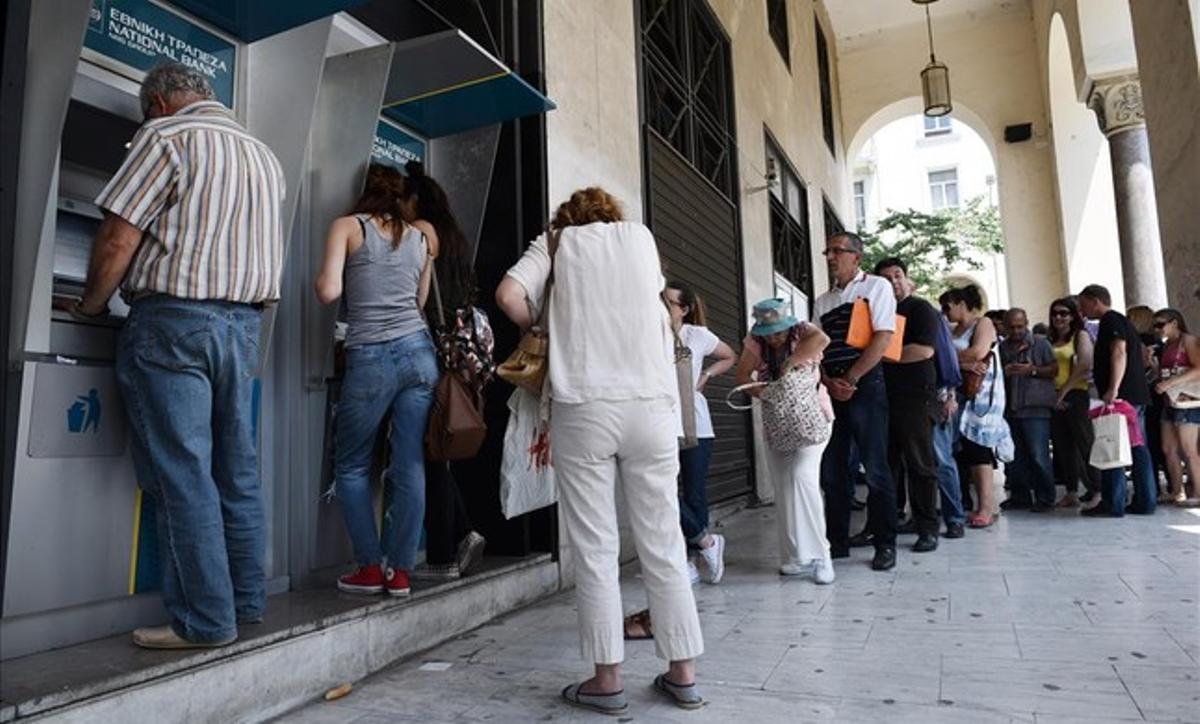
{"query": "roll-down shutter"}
[(697, 232)]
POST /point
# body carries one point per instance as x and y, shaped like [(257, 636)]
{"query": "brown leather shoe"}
[(164, 637)]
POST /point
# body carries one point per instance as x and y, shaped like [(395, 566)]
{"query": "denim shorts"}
[(1181, 416)]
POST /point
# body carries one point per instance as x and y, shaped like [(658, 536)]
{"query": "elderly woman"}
[(777, 343), (614, 415)]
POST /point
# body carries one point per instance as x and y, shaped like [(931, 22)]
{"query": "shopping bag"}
[(861, 331), (524, 486), (1111, 448)]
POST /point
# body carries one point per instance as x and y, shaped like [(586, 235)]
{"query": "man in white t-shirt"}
[(855, 381)]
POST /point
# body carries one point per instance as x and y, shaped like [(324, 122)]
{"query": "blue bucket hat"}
[(771, 316)]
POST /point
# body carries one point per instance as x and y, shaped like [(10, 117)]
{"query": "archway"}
[(902, 160), (1083, 173)]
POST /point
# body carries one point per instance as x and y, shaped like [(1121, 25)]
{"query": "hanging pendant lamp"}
[(935, 78)]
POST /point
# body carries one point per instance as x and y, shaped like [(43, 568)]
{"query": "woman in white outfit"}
[(777, 343), (614, 415)]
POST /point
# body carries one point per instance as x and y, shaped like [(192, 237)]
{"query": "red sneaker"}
[(396, 582), (364, 579)]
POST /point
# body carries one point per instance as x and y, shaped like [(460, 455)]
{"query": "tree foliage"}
[(936, 245)]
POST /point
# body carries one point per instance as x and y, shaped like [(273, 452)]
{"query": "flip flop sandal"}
[(612, 704), (684, 697), (640, 619), (981, 521)]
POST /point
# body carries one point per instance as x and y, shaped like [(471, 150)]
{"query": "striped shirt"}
[(208, 198), (832, 310)]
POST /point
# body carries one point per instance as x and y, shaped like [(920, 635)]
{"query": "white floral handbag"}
[(794, 414)]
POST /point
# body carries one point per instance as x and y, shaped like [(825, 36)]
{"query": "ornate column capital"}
[(1117, 103)]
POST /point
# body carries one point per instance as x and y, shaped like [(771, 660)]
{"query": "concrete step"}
[(311, 642)]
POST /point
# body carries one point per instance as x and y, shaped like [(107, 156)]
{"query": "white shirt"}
[(610, 334), (702, 343), (876, 290)]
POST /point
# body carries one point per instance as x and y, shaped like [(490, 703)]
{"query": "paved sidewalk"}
[(1043, 618)]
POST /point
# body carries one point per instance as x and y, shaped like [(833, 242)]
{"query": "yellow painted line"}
[(447, 89), (133, 553)]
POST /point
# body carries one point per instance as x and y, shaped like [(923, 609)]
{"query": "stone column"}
[(1117, 103)]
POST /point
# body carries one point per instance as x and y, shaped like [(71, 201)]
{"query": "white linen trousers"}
[(801, 509), (595, 444)]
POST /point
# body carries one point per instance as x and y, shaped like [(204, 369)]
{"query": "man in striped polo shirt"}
[(193, 236), (860, 406)]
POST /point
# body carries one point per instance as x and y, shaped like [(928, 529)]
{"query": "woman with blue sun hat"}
[(779, 344)]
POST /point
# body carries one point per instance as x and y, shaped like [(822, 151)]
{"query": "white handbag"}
[(793, 416), (1185, 397), (1111, 448)]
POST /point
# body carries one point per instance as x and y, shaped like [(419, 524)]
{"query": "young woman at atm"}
[(382, 264)]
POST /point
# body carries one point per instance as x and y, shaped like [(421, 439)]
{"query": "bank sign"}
[(142, 35), (394, 147)]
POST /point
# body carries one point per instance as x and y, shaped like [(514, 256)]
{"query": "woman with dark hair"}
[(1070, 427), (382, 264), (984, 433), (1181, 418), (614, 415), (688, 319), (451, 546)]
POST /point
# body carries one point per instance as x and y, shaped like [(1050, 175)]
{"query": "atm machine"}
[(372, 106), (81, 551)]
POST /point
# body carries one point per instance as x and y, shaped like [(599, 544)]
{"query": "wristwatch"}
[(852, 380), (76, 311)]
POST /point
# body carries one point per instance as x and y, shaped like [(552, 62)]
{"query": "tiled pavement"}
[(1043, 618)]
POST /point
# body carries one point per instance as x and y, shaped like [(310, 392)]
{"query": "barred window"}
[(686, 76), (824, 77), (790, 246)]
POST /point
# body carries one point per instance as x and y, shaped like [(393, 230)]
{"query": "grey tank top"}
[(381, 286)]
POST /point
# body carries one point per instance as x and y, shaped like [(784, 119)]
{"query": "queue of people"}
[(929, 416)]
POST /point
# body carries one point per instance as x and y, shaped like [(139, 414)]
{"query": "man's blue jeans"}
[(1032, 474), (1145, 492), (693, 500), (862, 419), (949, 485), (396, 376), (186, 371)]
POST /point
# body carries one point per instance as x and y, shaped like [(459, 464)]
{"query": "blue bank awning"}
[(250, 20), (445, 83)]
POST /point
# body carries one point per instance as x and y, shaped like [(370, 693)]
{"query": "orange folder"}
[(861, 331)]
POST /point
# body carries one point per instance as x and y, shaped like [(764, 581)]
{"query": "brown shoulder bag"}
[(529, 363), (456, 427)]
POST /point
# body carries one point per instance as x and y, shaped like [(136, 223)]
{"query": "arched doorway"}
[(1083, 173), (901, 160)]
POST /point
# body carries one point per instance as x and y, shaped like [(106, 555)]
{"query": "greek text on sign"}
[(394, 147), (141, 34)]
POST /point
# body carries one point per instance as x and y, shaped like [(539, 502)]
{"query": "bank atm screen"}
[(93, 145)]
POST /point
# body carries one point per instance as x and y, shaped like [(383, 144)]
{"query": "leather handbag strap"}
[(437, 293), (552, 249)]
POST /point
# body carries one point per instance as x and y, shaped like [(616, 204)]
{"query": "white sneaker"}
[(714, 558), (823, 571), (693, 573), (794, 569)]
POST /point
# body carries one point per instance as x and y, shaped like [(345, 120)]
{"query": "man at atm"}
[(193, 236)]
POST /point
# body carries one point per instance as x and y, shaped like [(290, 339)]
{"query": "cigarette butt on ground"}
[(338, 692)]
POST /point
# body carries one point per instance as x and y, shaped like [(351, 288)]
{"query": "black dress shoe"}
[(1040, 508), (926, 542), (885, 559), (908, 527), (1014, 504), (839, 552), (955, 530), (1097, 511), (862, 540)]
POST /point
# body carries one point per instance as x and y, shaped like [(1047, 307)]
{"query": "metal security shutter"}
[(697, 232)]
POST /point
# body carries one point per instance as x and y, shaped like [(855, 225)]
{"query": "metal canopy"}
[(445, 83), (250, 20)]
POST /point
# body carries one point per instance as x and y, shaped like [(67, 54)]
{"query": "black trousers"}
[(911, 459), (1072, 436), (446, 522)]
